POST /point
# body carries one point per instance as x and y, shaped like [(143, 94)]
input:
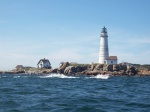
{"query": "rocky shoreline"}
[(84, 69), (95, 69)]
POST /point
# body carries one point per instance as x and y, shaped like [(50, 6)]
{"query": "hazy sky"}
[(69, 30)]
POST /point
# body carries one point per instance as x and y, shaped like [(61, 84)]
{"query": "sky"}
[(69, 30)]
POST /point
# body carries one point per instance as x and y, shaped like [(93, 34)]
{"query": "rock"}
[(62, 67), (131, 70), (122, 72), (144, 72), (115, 73), (45, 72), (116, 67), (74, 69), (69, 70), (92, 67), (128, 68), (54, 70), (93, 72), (123, 67), (99, 67), (108, 68), (22, 71)]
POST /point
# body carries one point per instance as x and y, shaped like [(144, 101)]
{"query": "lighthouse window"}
[(111, 61)]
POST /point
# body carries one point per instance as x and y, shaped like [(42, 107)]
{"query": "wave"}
[(17, 76), (101, 76), (65, 76), (57, 76)]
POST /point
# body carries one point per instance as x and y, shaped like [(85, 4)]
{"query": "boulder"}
[(115, 73), (122, 72), (69, 70), (96, 72), (131, 70), (123, 67), (108, 68), (116, 68), (74, 69), (62, 67), (21, 71), (128, 68), (92, 67), (54, 70), (99, 67)]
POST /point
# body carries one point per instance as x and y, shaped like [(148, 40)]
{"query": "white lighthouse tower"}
[(104, 51)]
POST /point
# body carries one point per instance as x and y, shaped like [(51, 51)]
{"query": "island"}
[(77, 69)]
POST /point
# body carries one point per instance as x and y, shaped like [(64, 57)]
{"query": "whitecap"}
[(100, 76), (57, 76), (16, 76)]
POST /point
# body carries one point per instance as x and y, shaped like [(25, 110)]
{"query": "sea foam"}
[(65, 76), (57, 76), (101, 76)]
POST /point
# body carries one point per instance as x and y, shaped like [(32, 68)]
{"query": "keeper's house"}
[(111, 60), (44, 63)]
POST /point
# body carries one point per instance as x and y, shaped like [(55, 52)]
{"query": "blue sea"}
[(59, 93)]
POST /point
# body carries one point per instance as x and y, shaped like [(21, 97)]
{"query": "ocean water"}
[(59, 93)]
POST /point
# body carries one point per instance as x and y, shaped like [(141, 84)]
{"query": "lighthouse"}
[(104, 51)]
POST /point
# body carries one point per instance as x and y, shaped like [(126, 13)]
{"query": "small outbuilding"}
[(111, 60), (19, 67), (126, 63), (44, 63)]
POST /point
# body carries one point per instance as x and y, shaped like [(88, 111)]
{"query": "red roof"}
[(112, 58)]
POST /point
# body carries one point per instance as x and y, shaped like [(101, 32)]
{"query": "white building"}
[(111, 60), (44, 63), (104, 57), (104, 51)]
